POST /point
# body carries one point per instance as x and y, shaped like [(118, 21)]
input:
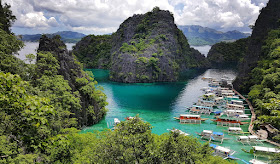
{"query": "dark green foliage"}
[(231, 53), (131, 142), (6, 17), (264, 83), (94, 51), (23, 116), (9, 45)]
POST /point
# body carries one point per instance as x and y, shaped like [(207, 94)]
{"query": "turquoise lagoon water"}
[(158, 103)]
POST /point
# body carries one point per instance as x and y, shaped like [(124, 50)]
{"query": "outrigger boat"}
[(201, 109), (254, 161), (237, 102), (228, 121), (262, 151), (223, 152), (178, 131), (249, 139), (212, 136), (235, 130), (190, 119), (229, 98), (205, 103), (116, 121), (235, 107)]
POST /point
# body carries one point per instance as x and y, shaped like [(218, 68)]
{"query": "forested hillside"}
[(259, 72), (228, 54), (43, 105), (199, 36)]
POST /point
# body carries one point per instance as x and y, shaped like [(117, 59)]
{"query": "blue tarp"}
[(213, 145), (218, 112), (218, 133)]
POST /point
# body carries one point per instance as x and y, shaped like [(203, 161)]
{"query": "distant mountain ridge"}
[(66, 36), (198, 35)]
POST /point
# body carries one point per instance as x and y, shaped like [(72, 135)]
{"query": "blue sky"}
[(105, 16)]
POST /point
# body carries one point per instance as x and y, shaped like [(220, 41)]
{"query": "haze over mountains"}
[(66, 36), (198, 35)]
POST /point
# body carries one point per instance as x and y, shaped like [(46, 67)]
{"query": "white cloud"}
[(105, 16)]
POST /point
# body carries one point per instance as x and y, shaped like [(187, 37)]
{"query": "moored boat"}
[(235, 130), (249, 139), (228, 121), (223, 152), (190, 119), (255, 161), (116, 121), (212, 136)]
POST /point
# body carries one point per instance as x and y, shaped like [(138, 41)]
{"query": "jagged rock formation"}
[(146, 48), (226, 54), (91, 100), (150, 48), (267, 20)]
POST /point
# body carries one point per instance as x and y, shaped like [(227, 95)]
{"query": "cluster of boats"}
[(228, 110)]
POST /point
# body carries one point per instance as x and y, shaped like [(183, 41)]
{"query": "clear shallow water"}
[(158, 103)]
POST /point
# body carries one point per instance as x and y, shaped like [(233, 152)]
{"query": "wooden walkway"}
[(253, 118)]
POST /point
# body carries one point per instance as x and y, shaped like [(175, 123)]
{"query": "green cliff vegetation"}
[(228, 53), (259, 71), (265, 83), (94, 51), (146, 48)]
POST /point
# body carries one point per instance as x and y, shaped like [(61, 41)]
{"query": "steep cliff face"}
[(94, 51), (267, 20), (225, 54), (150, 48), (92, 100)]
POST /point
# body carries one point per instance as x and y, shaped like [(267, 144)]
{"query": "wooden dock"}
[(253, 118)]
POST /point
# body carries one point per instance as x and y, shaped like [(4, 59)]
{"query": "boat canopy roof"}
[(202, 107), (239, 101), (235, 105), (222, 149), (189, 115), (266, 149), (232, 97), (243, 137), (219, 98), (206, 101), (253, 137), (225, 117), (209, 94), (116, 120), (254, 161), (234, 129), (218, 133), (243, 116), (207, 131), (234, 111)]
